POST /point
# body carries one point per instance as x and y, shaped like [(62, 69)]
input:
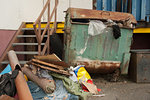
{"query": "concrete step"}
[(7, 62), (27, 36), (15, 44), (29, 29), (27, 52)]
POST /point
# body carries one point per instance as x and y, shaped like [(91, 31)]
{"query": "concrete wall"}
[(13, 12)]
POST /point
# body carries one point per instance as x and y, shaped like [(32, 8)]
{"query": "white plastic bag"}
[(96, 27)]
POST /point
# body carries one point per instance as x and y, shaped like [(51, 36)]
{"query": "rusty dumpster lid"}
[(77, 13)]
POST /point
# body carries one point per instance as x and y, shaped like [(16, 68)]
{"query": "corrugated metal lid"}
[(77, 13)]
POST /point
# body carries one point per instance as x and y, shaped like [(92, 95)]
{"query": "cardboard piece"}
[(91, 87), (52, 57)]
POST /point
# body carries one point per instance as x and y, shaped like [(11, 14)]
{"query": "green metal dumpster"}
[(101, 53)]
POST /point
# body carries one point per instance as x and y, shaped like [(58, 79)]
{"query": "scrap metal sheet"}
[(77, 13)]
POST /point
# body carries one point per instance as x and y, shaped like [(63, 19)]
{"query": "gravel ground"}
[(122, 90)]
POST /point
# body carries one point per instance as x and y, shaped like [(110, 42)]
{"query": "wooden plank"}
[(39, 35), (46, 44), (36, 33), (51, 57), (48, 32), (51, 69), (47, 64)]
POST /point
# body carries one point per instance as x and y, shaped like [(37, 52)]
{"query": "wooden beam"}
[(47, 64), (36, 33), (48, 32), (39, 34), (46, 44)]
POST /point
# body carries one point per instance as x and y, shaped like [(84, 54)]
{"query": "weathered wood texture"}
[(47, 85), (51, 69), (47, 64)]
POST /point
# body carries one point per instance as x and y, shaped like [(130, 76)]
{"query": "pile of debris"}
[(45, 77)]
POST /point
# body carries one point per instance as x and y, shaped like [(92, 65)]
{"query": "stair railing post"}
[(39, 33), (55, 22), (48, 34)]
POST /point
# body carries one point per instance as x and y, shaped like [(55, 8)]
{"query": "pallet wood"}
[(47, 64), (52, 69)]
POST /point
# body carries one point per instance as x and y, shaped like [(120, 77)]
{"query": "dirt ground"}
[(124, 89)]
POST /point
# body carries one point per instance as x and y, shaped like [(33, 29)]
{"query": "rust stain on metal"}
[(77, 13), (97, 66)]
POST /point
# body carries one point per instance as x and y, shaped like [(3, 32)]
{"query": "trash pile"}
[(45, 78)]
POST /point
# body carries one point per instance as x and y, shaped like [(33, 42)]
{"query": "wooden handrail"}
[(50, 17), (42, 12), (39, 35), (46, 44)]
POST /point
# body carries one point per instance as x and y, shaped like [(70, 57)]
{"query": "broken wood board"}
[(51, 57), (59, 63), (52, 69), (47, 64), (91, 87)]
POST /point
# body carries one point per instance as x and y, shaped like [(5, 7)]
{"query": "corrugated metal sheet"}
[(80, 46), (139, 8)]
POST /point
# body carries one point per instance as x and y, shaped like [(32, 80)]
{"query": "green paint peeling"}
[(100, 47)]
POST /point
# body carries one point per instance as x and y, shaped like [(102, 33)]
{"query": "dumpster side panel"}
[(100, 47)]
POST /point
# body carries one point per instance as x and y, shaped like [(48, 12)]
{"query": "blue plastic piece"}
[(6, 70)]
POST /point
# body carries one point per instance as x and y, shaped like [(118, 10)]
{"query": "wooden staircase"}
[(32, 38)]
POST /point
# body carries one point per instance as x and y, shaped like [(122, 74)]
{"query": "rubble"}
[(50, 78)]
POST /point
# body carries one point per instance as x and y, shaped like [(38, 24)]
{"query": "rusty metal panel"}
[(79, 45), (97, 66), (77, 13), (139, 69), (103, 47)]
